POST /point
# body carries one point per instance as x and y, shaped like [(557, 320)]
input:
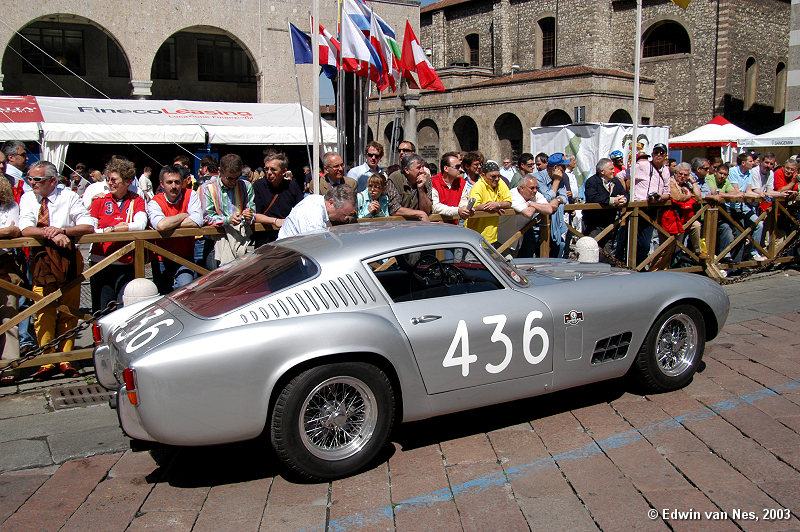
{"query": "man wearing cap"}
[(553, 187), (650, 183), (492, 195)]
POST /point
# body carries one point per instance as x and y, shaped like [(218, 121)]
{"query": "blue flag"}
[(301, 46)]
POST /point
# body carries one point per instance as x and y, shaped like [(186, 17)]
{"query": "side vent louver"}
[(611, 348)]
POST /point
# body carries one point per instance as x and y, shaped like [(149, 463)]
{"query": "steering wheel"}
[(431, 270), (452, 275)]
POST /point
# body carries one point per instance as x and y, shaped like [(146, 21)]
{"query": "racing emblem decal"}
[(573, 318)]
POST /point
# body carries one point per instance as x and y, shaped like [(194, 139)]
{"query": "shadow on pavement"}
[(452, 426)]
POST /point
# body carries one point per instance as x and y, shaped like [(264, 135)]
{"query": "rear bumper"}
[(104, 368), (129, 418)]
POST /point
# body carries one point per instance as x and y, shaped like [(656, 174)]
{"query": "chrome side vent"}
[(611, 348), (345, 290)]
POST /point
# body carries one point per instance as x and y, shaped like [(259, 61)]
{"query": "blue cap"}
[(557, 159), (616, 154)]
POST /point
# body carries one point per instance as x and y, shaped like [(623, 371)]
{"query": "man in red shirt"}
[(447, 188), (786, 180), (174, 208)]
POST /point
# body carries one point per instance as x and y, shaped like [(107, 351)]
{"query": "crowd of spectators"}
[(36, 201)]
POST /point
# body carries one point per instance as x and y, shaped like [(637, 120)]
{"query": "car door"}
[(466, 327)]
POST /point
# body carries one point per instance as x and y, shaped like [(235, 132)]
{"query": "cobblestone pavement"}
[(721, 454)]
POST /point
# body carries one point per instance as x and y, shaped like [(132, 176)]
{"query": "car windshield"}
[(270, 269), (509, 269)]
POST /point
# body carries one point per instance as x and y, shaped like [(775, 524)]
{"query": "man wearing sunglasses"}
[(447, 188), (16, 163), (700, 170), (361, 173), (54, 215)]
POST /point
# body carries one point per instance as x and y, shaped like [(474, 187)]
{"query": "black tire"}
[(672, 349), (338, 443)]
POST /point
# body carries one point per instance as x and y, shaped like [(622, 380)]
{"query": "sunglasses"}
[(456, 166), (376, 155), (39, 179), (402, 150)]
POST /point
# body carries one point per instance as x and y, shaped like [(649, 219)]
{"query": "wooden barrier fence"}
[(631, 217)]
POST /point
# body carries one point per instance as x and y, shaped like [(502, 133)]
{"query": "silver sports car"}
[(325, 341)]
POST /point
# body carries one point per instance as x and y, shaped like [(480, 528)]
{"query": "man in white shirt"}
[(55, 215), (527, 202), (313, 213), (16, 163), (507, 171)]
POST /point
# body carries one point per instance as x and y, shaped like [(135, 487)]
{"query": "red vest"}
[(448, 196), (183, 247)]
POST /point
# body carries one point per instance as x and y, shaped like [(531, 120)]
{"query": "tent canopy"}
[(786, 135), (718, 132), (64, 120)]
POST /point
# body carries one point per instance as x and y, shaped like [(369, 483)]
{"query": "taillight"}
[(129, 377), (97, 333)]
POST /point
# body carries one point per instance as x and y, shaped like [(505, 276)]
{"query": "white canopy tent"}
[(786, 135), (719, 132), (57, 122)]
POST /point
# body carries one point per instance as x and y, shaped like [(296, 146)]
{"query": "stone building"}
[(200, 50), (509, 65)]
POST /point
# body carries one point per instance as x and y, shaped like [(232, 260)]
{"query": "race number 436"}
[(529, 332)]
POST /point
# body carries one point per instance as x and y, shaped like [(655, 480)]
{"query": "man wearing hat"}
[(617, 158), (553, 186), (491, 194), (650, 183)]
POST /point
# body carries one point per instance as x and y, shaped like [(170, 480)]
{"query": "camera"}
[(653, 196)]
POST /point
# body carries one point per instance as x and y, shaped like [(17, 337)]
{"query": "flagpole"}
[(378, 125), (299, 98), (340, 121), (315, 80), (394, 123), (637, 60)]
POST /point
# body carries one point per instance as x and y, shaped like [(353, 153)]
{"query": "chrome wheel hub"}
[(338, 418), (676, 345)]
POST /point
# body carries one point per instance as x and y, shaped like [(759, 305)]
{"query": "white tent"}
[(718, 132), (786, 135), (56, 122)]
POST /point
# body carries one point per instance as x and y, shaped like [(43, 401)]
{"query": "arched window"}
[(556, 117), (620, 116), (547, 28), (750, 82), (471, 49), (666, 38), (780, 88), (466, 131)]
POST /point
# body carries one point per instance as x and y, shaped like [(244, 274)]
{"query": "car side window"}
[(433, 273)]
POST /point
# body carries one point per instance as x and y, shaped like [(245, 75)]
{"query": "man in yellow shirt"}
[(491, 194)]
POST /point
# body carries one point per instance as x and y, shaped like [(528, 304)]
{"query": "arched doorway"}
[(466, 131), (509, 133), (428, 141), (556, 117), (204, 63), (620, 116), (55, 43)]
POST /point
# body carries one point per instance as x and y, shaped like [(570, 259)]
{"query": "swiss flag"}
[(413, 60)]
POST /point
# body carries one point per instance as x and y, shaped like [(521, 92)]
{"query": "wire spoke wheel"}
[(338, 418), (676, 346), (672, 349)]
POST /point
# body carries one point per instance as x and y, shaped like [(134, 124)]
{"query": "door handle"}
[(424, 319)]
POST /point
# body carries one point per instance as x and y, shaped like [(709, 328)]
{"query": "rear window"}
[(270, 269)]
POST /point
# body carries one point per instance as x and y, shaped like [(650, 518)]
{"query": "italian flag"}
[(413, 60)]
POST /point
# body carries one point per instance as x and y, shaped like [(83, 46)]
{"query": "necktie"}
[(610, 187), (44, 215)]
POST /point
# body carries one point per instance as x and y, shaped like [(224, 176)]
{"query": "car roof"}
[(368, 239)]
